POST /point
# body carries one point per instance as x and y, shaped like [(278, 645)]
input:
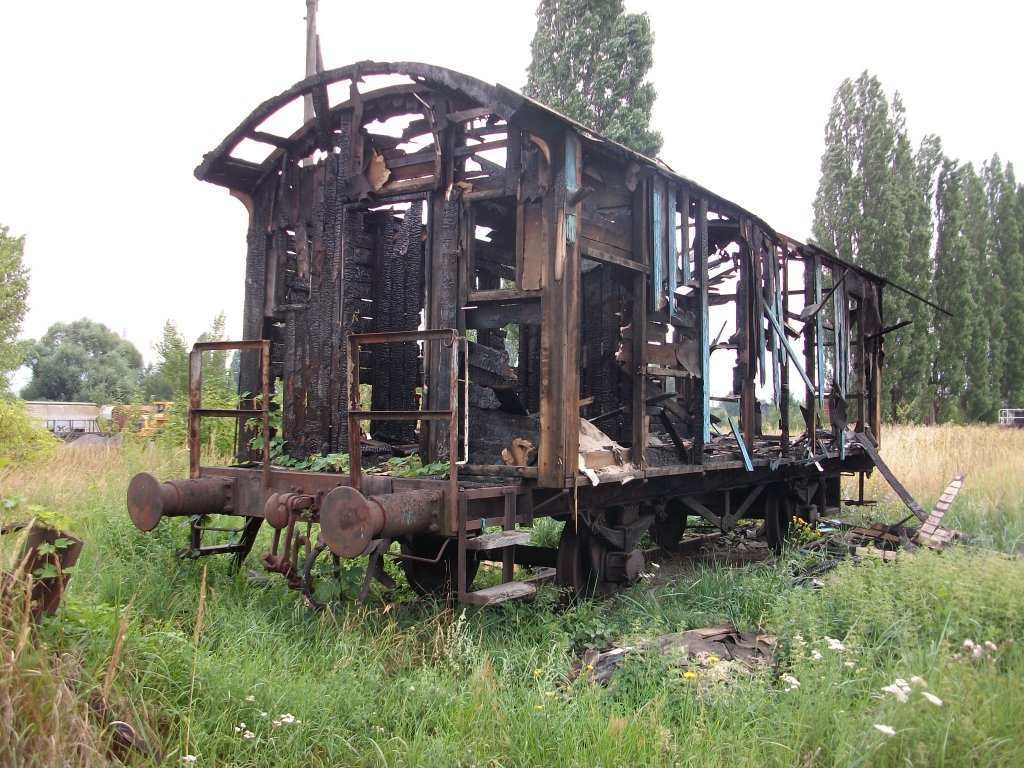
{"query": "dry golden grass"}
[(925, 459), (72, 474)]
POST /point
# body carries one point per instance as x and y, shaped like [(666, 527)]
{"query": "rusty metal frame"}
[(196, 412)]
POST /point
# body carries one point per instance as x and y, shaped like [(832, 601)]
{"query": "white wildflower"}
[(918, 682), (250, 697), (968, 644), (991, 646), (888, 730), (850, 664), (896, 691), (816, 654), (978, 652), (834, 644), (248, 735), (237, 729), (263, 714), (188, 759), (791, 681), (287, 718), (932, 698)]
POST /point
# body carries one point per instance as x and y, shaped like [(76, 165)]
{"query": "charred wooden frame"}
[(539, 306)]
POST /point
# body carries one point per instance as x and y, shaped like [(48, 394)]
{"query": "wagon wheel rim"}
[(667, 533), (778, 511), (575, 573), (434, 579)]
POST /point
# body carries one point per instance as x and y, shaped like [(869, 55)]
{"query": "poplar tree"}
[(954, 287), (980, 399), (872, 209), (1006, 211), (589, 62)]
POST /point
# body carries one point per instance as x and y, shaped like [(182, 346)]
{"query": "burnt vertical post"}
[(642, 253), (875, 403), (746, 306), (812, 293), (558, 453), (700, 251)]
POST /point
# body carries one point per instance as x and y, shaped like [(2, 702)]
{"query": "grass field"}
[(234, 672)]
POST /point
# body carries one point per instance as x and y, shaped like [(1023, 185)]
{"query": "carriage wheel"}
[(778, 514), (668, 533), (435, 579), (575, 571)]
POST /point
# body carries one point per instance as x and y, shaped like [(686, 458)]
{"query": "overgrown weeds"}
[(254, 679)]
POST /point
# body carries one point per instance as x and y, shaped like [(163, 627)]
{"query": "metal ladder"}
[(458, 498), (196, 413)]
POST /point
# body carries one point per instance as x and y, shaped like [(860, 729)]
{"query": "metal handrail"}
[(196, 412)]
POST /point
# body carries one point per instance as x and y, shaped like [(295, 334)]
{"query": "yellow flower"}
[(538, 672), (689, 674), (549, 694), (538, 707), (712, 659)]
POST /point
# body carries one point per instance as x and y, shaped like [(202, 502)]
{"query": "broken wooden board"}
[(933, 534), (864, 440), (885, 555)]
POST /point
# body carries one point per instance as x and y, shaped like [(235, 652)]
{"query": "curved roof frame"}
[(220, 167)]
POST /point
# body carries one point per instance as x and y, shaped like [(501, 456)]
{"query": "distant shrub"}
[(21, 438)]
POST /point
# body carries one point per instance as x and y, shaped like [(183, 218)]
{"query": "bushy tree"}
[(13, 302), (168, 378), (22, 439), (589, 62), (84, 360)]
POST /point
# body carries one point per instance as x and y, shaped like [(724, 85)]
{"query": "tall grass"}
[(403, 682)]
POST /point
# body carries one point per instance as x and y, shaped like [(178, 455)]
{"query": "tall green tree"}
[(13, 302), (589, 62), (981, 398), (1006, 266), (168, 378), (956, 287), (86, 361), (872, 208)]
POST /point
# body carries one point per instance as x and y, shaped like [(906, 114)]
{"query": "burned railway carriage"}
[(442, 267)]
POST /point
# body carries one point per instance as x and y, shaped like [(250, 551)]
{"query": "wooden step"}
[(500, 593), (498, 540)]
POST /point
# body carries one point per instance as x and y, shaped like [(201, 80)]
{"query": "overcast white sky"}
[(109, 105)]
